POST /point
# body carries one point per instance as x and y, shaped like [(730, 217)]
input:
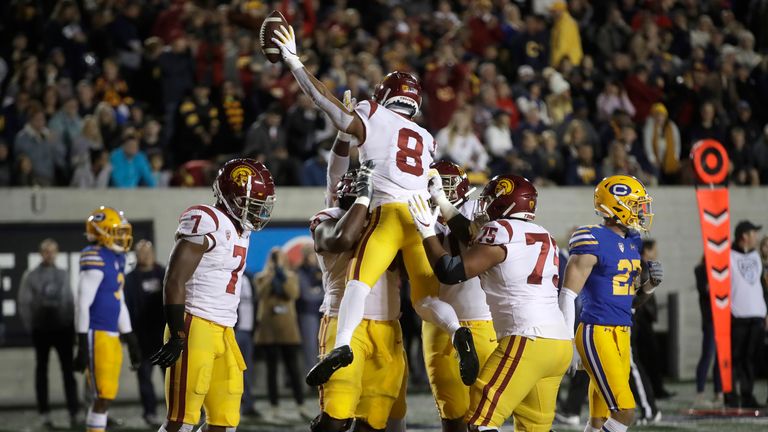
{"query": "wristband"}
[(364, 200), (293, 62), (343, 136), (174, 316)]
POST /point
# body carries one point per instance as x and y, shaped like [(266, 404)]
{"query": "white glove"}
[(435, 188), (575, 363), (423, 217), (286, 40), (349, 103), (656, 272)]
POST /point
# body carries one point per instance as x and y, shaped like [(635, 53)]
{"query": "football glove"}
[(349, 103), (169, 353), (364, 183), (286, 40), (423, 216), (81, 357), (436, 192), (656, 272)]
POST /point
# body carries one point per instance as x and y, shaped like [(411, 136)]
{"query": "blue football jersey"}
[(105, 308), (609, 289)]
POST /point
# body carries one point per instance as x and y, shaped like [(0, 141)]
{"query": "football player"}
[(202, 293), (604, 265), (102, 315), (517, 262), (451, 185), (369, 387), (402, 152)]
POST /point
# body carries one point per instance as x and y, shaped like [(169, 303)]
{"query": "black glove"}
[(364, 180), (134, 350), (170, 352), (81, 358)]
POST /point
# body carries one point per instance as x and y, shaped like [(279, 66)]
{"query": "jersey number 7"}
[(546, 242), (239, 252)]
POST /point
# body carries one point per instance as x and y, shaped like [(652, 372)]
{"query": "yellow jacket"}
[(565, 40)]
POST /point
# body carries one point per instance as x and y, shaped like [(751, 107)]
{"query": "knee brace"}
[(326, 423)]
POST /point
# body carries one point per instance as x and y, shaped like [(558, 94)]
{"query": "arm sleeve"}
[(124, 319), (567, 303), (90, 279), (340, 117), (439, 313), (337, 166)]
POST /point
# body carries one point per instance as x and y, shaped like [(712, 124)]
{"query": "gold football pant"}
[(103, 375), (391, 229), (520, 378), (209, 373), (451, 395), (370, 388), (605, 353)]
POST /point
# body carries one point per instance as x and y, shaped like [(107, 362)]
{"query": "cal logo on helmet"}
[(620, 189), (504, 187), (240, 174)]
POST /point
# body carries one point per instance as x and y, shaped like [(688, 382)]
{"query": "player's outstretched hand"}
[(364, 181), (81, 357), (134, 350), (575, 363), (349, 102), (286, 40), (423, 216), (435, 186), (656, 272), (169, 353)]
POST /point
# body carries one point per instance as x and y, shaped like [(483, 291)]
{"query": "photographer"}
[(278, 333)]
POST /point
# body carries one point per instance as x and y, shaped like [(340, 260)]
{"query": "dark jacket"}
[(144, 299)]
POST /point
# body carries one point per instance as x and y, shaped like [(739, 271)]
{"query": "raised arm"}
[(344, 119), (338, 160)]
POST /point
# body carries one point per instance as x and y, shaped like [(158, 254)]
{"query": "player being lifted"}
[(402, 152), (201, 295), (517, 262), (451, 187), (101, 312), (369, 389), (604, 265)]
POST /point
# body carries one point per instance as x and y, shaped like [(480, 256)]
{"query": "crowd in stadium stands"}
[(156, 93)]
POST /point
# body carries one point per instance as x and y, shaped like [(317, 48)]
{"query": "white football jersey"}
[(522, 290), (468, 297), (401, 150), (213, 291), (383, 302)]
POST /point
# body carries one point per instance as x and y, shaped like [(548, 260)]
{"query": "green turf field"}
[(422, 417)]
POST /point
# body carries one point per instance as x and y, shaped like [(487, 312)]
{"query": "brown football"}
[(271, 23)]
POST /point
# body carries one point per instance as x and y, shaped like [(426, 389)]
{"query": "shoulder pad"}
[(498, 232), (584, 241), (198, 220)]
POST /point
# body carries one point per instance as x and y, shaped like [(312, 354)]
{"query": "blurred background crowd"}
[(154, 93)]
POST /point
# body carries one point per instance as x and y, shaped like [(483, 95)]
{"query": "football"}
[(271, 23)]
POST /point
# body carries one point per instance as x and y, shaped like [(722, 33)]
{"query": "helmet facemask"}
[(450, 187), (402, 105), (252, 213), (345, 190), (635, 212), (116, 238)]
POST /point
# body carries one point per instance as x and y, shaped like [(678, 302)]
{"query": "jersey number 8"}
[(409, 159)]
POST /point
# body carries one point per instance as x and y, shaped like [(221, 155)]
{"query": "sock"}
[(351, 311), (439, 313), (95, 422), (395, 425), (589, 428), (614, 426)]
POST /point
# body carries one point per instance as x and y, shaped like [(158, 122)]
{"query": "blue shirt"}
[(130, 172), (105, 308), (609, 289)]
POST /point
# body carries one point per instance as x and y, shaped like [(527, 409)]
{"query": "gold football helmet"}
[(624, 199), (109, 228)]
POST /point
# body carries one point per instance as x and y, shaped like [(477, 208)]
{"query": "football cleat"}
[(338, 358), (469, 365)]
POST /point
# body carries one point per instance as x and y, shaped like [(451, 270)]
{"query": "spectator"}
[(708, 347), (459, 143), (94, 172), (532, 101), (278, 332), (6, 166), (498, 137), (527, 160), (313, 172), (619, 162), (108, 127), (161, 175), (86, 98), (612, 36), (642, 92), (47, 309), (308, 305), (565, 38), (130, 167), (743, 171), (302, 122), (66, 123), (583, 171), (662, 143), (444, 87), (87, 140), (44, 149), (532, 47), (708, 126), (760, 154), (612, 98), (198, 126), (246, 323), (559, 104), (553, 164), (745, 120), (144, 299), (748, 312)]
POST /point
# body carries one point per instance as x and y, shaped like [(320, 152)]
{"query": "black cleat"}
[(469, 365), (337, 358)]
